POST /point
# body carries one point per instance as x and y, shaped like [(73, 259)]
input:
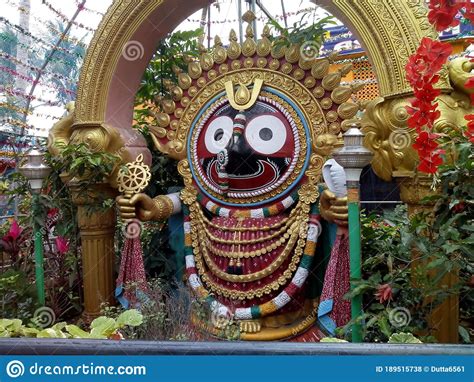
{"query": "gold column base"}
[(97, 230), (444, 320)]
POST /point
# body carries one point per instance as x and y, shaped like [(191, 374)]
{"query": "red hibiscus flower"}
[(443, 14), (434, 52), (384, 293), (62, 245), (421, 117), (426, 141), (426, 94), (430, 162)]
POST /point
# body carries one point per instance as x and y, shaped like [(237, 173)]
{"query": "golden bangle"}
[(164, 207)]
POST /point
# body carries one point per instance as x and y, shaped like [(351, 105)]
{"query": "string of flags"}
[(33, 81), (36, 38), (65, 18), (13, 59)]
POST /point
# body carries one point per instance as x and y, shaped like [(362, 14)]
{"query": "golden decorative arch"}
[(389, 31)]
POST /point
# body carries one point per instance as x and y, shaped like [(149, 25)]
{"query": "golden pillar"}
[(96, 223), (97, 227)]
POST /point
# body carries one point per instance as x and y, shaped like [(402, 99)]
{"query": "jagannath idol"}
[(252, 126)]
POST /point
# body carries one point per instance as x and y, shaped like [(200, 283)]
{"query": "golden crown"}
[(307, 81)]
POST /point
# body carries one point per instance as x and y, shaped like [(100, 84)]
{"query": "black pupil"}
[(218, 134), (266, 134)]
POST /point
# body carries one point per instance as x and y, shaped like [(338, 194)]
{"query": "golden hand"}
[(333, 209), (140, 206)]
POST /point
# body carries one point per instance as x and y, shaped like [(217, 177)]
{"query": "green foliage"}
[(78, 160), (443, 242), (311, 32), (170, 53), (17, 295), (166, 314), (101, 328)]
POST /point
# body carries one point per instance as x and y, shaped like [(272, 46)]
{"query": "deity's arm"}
[(146, 208)]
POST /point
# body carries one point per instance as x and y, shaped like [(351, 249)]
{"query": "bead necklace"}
[(264, 272)]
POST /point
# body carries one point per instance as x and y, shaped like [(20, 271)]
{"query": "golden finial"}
[(207, 62), (249, 31), (163, 120), (176, 93), (168, 106), (194, 70), (292, 54), (320, 68), (278, 49), (217, 41), (242, 95), (249, 46), (234, 50), (266, 31), (219, 53), (201, 48), (184, 81), (232, 35), (264, 45), (168, 84), (346, 69), (331, 80)]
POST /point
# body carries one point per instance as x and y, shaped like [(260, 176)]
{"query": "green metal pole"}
[(39, 260), (355, 256)]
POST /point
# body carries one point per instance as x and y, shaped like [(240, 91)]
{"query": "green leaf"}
[(50, 333), (331, 339), (385, 327), (131, 317), (403, 338), (464, 334), (77, 332), (102, 327)]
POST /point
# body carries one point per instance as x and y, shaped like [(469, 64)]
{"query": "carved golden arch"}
[(125, 41)]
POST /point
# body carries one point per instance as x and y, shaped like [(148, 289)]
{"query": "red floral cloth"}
[(131, 282)]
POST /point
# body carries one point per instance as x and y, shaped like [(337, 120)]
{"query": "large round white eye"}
[(266, 134), (218, 134)]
